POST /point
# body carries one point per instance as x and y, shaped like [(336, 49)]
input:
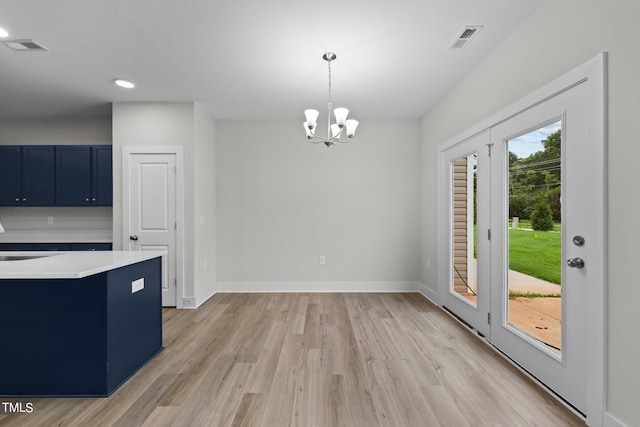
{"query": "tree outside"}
[(535, 180)]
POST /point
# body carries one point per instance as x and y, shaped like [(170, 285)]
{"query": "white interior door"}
[(559, 173), (465, 172), (150, 207)]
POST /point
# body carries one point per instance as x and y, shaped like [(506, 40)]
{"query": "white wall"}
[(283, 202), (80, 131), (205, 205), (559, 36)]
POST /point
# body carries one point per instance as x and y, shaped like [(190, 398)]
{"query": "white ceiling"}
[(245, 59)]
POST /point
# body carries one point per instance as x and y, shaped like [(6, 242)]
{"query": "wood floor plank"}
[(264, 360)]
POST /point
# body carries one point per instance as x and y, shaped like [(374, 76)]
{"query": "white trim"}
[(201, 299), (127, 150), (324, 287), (592, 73), (610, 421), (428, 293), (551, 89), (187, 303)]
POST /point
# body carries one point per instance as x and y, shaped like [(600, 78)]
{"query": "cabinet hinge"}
[(489, 318), (175, 281), (489, 234), (107, 366), (175, 225)]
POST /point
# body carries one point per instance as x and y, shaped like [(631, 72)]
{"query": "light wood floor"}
[(313, 360)]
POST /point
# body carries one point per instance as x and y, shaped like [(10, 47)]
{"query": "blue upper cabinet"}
[(84, 175), (73, 175), (10, 192), (38, 175), (61, 175), (101, 175)]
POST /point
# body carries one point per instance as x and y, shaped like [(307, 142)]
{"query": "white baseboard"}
[(188, 303), (202, 298), (610, 421), (428, 293), (191, 303), (309, 287)]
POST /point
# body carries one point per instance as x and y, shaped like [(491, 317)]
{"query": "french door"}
[(466, 177), (546, 331), (521, 237)]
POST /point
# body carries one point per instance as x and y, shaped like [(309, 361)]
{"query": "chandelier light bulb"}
[(312, 117), (351, 127), (341, 116)]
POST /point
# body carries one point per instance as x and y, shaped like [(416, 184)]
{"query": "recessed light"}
[(124, 83), (3, 32)]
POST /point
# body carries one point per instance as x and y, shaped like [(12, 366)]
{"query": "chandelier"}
[(335, 131)]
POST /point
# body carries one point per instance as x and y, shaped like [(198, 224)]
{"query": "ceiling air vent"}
[(24, 45), (465, 37)]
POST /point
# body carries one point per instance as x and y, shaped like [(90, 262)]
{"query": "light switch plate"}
[(137, 285)]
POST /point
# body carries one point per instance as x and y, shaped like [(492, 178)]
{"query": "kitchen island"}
[(77, 323)]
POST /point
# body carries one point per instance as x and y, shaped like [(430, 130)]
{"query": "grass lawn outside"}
[(536, 253)]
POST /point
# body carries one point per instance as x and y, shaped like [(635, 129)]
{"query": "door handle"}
[(134, 237), (575, 262)]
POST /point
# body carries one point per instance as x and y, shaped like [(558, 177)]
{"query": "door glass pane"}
[(464, 227), (534, 235)]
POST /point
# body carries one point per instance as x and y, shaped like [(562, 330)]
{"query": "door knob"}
[(134, 237), (575, 262)]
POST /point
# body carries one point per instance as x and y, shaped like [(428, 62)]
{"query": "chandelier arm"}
[(317, 139)]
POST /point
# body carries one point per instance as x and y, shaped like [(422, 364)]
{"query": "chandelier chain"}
[(330, 102)]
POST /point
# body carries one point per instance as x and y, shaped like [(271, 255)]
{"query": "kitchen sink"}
[(20, 257)]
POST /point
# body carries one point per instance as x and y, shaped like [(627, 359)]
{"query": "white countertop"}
[(69, 265), (56, 236)]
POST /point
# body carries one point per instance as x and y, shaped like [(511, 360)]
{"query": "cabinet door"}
[(52, 246), (73, 175), (91, 246), (10, 176), (102, 176), (17, 246), (38, 175)]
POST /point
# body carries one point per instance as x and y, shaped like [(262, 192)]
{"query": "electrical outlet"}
[(50, 220), (322, 260)]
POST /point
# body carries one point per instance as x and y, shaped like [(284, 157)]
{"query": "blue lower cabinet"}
[(56, 246), (52, 247), (79, 337), (17, 247), (91, 246)]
